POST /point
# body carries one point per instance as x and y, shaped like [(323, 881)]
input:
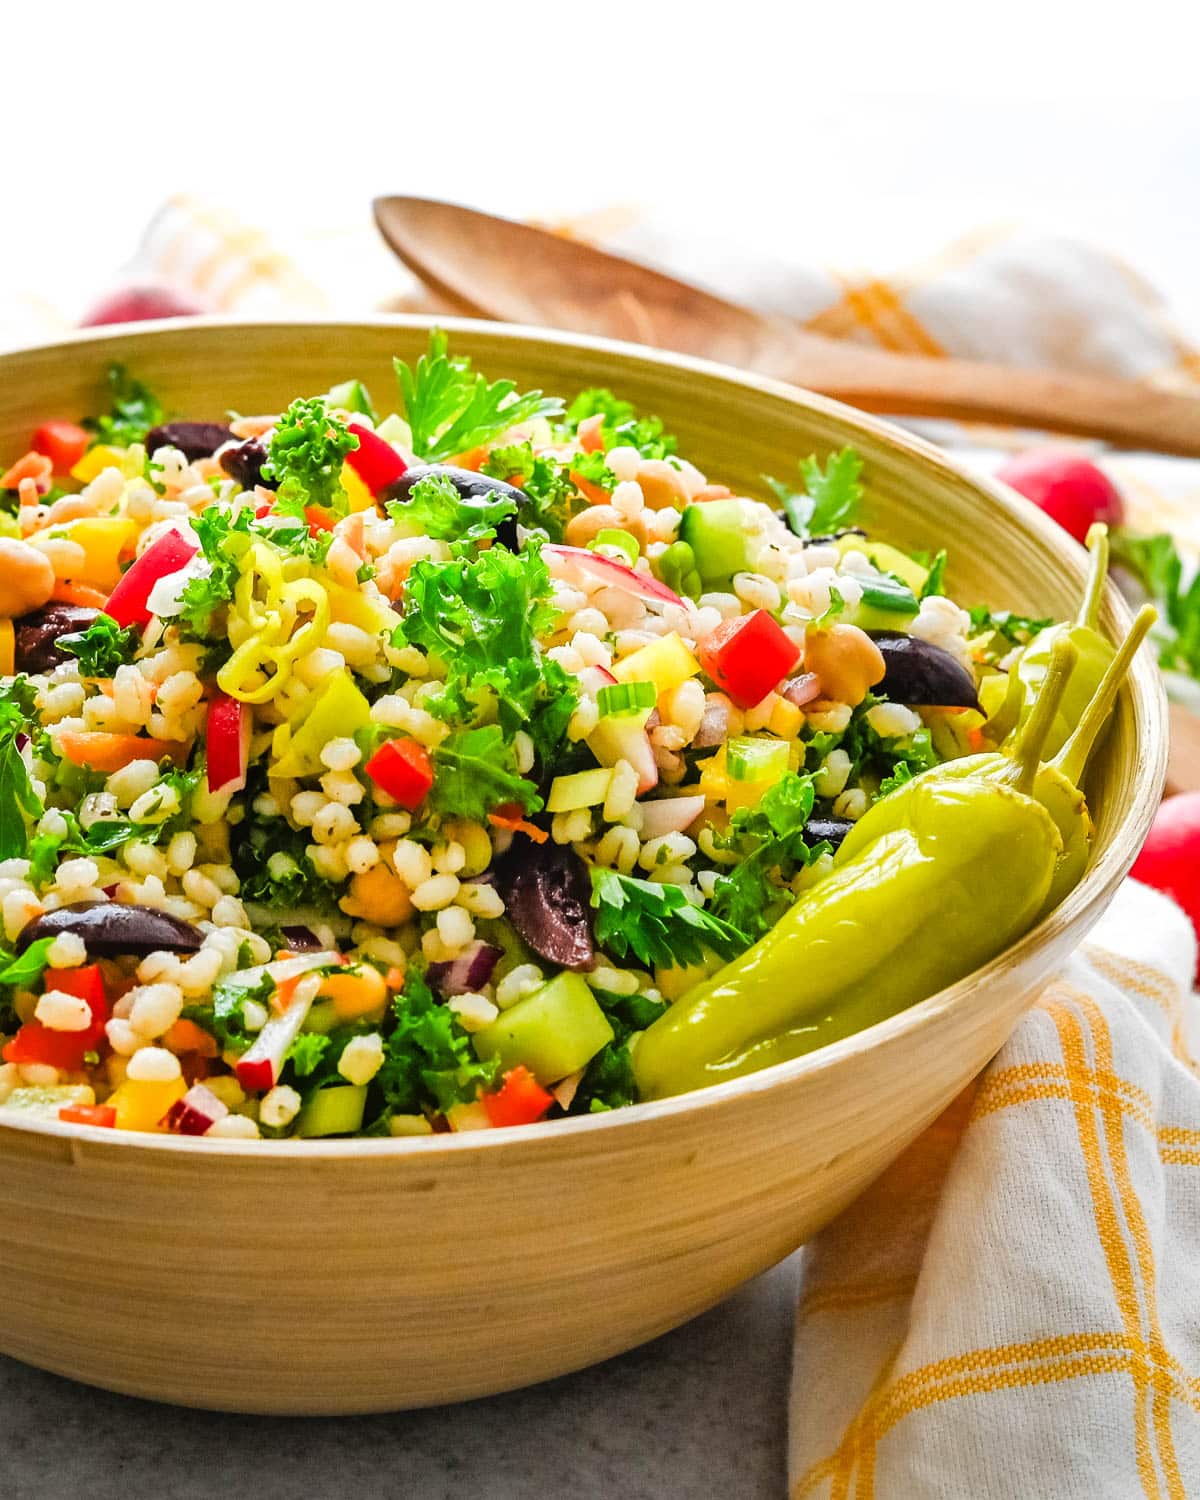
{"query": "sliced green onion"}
[(889, 593), (621, 698), (623, 542), (749, 758)]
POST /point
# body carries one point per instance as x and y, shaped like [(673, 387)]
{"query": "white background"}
[(851, 132)]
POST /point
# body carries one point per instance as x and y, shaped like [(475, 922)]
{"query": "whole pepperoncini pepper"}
[(983, 846)]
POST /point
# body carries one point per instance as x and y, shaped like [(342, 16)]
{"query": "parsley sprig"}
[(135, 409), (831, 498), (1156, 564), (657, 923), (451, 408), (305, 457)]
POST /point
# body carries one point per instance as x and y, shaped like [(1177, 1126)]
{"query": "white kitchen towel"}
[(1012, 1312)]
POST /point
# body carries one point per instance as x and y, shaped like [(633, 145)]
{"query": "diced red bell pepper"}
[(127, 604), (748, 656), (35, 1043), (520, 1099), (63, 443), (88, 1114), (402, 769), (375, 461)]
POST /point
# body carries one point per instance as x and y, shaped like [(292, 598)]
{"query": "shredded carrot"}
[(110, 752), (592, 493), (508, 815), (473, 458), (976, 740), (66, 592), (186, 1036), (32, 465), (394, 978), (285, 991), (591, 439)]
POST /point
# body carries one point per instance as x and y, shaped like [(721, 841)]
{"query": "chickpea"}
[(662, 485), (26, 578), (589, 523), (847, 661)]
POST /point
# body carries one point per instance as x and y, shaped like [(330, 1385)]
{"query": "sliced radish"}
[(625, 738), (260, 1067), (592, 679), (670, 815), (573, 564), (195, 1112), (228, 739)]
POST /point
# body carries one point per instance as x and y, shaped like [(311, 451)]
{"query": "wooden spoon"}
[(497, 268)]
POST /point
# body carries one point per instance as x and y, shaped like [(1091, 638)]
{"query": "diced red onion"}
[(801, 690), (21, 739), (301, 939), (466, 973), (714, 725), (669, 815)]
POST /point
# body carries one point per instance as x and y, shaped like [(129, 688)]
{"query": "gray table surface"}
[(696, 1415)]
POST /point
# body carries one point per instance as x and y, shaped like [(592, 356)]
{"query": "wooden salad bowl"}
[(367, 1275)]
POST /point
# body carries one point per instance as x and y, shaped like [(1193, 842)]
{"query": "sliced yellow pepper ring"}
[(260, 571), (253, 660), (275, 645), (312, 632)]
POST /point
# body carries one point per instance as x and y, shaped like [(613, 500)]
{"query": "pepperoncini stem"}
[(1071, 761), (1008, 715), (1093, 592), (1027, 752)]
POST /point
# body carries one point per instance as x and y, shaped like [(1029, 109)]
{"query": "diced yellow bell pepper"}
[(102, 456), (786, 720), (666, 663), (337, 711), (740, 794), (8, 648), (103, 538), (352, 607), (359, 495), (713, 780), (141, 1103)]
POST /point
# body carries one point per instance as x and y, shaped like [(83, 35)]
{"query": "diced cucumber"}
[(322, 1017), (716, 533), (409, 1125), (755, 758), (395, 429), (351, 395), (886, 604), (335, 1111), (44, 1101), (583, 789), (553, 1032), (887, 559)]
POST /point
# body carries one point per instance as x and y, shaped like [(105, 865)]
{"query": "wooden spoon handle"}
[(1122, 411)]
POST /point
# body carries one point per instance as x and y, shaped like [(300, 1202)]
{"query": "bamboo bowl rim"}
[(1100, 881)]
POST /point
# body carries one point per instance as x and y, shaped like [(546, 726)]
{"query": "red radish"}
[(196, 1112), (375, 461), (1067, 486), (669, 815), (63, 443), (228, 742), (1170, 857), (573, 564), (127, 604), (134, 304), (624, 737), (260, 1067)]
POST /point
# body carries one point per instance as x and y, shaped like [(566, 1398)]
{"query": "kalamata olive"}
[(35, 636), (481, 488), (245, 462), (833, 830), (193, 439), (922, 675), (545, 891), (110, 929)]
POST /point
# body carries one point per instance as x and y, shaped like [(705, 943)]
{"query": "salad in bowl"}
[(482, 762)]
